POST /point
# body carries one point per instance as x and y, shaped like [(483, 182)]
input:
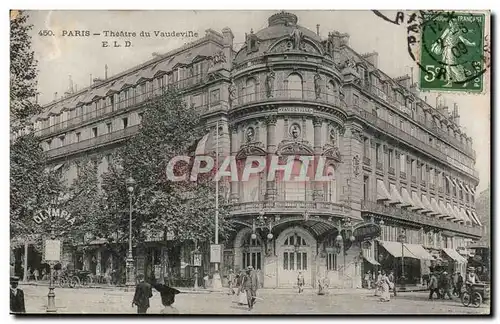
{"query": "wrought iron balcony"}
[(92, 143), (288, 206), (411, 216), (329, 98)]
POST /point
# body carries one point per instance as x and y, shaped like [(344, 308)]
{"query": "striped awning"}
[(457, 213), (435, 207), (396, 196), (371, 260), (467, 218), (454, 255), (474, 217), (382, 192), (444, 210), (451, 212)]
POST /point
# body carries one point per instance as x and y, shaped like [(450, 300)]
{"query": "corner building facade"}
[(401, 179)]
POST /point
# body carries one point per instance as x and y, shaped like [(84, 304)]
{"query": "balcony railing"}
[(413, 179), (403, 214), (402, 174), (329, 98), (112, 107), (423, 183), (379, 165), (93, 142), (391, 171), (421, 120), (288, 206), (366, 160)]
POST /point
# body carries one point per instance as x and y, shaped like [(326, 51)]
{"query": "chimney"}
[(456, 116), (228, 40), (317, 29), (55, 96), (105, 71)]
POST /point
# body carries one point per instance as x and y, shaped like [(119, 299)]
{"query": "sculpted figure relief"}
[(317, 85), (296, 37), (232, 93), (270, 83)]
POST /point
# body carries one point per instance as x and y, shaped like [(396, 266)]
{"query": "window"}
[(412, 131), (252, 253), (215, 96), (331, 261), (378, 154), (447, 185), (431, 142), (376, 111), (422, 172), (355, 100), (125, 122), (366, 147), (94, 131), (402, 124), (61, 140), (413, 167), (109, 127), (331, 185), (454, 191), (78, 136), (391, 118), (431, 176), (460, 194), (391, 157), (294, 84), (402, 163), (366, 193), (140, 115)]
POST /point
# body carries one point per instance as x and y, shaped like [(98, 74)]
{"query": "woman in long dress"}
[(385, 285), (242, 296)]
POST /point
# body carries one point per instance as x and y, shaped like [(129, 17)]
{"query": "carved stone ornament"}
[(295, 131), (317, 85), (250, 149), (296, 39), (250, 134), (333, 136), (288, 147), (357, 134), (271, 119), (332, 152), (232, 93), (270, 82), (356, 165)]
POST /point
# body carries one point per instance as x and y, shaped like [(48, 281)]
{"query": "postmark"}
[(450, 48), (451, 51)]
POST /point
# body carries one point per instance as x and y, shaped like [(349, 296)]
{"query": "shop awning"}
[(406, 197), (445, 210), (436, 208), (418, 251), (396, 196), (417, 200), (371, 260), (457, 212), (382, 193), (394, 248), (467, 218), (427, 204), (474, 215), (451, 212), (455, 256)]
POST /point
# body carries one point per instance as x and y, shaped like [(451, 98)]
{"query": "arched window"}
[(252, 252), (295, 240), (294, 86), (250, 90), (330, 190), (295, 257), (331, 91)]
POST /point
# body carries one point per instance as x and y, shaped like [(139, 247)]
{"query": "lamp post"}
[(344, 223), (51, 297), (196, 264), (402, 239), (130, 182)]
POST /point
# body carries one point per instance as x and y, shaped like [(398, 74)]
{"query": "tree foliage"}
[(185, 209), (23, 72)]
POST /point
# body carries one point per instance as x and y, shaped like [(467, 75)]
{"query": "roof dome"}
[(281, 24)]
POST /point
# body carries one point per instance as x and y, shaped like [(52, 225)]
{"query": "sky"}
[(81, 56)]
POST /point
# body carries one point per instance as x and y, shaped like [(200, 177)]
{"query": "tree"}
[(23, 72), (185, 209)]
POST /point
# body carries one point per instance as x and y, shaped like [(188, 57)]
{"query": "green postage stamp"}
[(451, 53)]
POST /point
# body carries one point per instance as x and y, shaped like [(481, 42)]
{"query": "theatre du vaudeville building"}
[(400, 169)]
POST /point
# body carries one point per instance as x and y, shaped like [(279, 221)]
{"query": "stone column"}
[(235, 197), (317, 185), (271, 150)]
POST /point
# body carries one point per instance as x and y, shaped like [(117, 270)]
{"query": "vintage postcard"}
[(250, 162)]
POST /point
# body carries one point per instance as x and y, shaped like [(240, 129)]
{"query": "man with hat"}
[(167, 298), (250, 285), (16, 296), (471, 277), (142, 294), (230, 281), (446, 285), (433, 285)]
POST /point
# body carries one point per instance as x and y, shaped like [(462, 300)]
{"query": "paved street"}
[(273, 302)]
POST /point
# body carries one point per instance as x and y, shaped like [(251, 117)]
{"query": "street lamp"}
[(196, 264), (402, 239), (130, 182), (51, 297)]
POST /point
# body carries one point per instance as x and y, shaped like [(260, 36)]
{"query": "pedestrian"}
[(250, 285), (322, 286), (142, 294), (385, 285), (36, 274), (471, 277), (16, 296), (300, 282), (167, 298), (230, 281), (378, 283), (392, 283), (242, 298), (455, 280), (460, 283), (446, 285), (433, 286), (368, 280)]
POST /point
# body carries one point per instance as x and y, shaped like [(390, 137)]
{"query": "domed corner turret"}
[(283, 18)]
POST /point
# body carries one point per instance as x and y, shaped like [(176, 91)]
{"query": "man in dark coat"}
[(433, 286), (16, 297), (446, 285), (460, 283), (250, 285), (143, 291)]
